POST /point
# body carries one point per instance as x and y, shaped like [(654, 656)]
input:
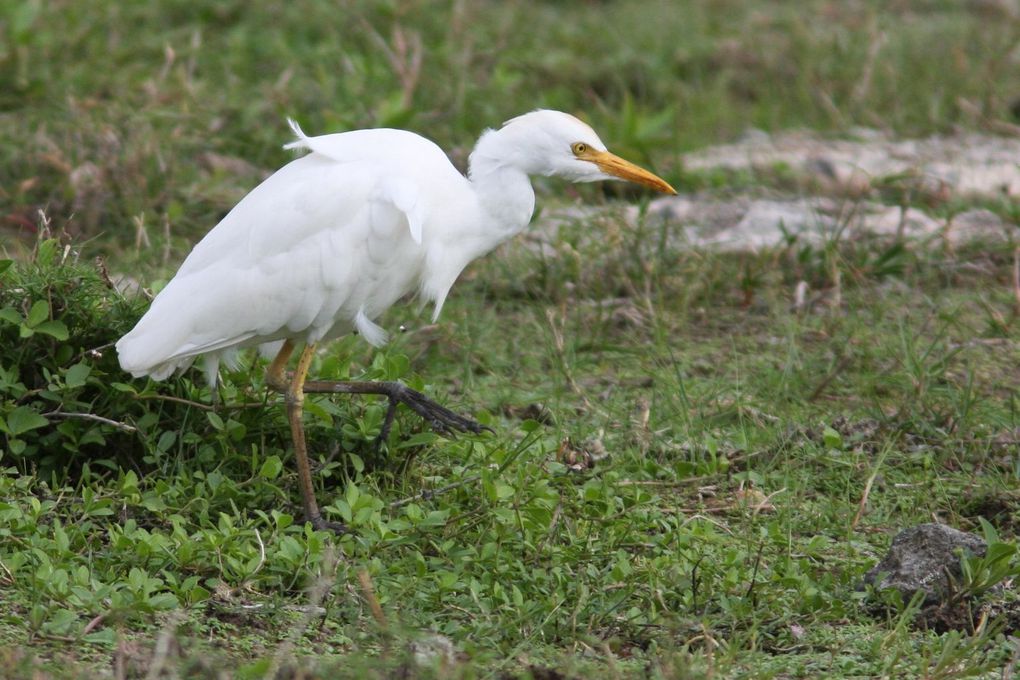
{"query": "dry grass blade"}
[(368, 591)]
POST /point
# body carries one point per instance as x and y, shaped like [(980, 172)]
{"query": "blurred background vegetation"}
[(134, 121)]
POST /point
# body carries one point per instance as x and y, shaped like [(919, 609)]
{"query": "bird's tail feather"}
[(302, 139)]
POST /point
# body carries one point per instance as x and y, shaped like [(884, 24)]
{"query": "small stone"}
[(434, 650), (923, 558)]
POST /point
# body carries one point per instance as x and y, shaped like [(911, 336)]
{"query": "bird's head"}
[(553, 143)]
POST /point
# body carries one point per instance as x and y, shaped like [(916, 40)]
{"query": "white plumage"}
[(332, 239)]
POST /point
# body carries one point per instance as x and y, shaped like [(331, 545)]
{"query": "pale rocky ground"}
[(840, 198), (966, 164)]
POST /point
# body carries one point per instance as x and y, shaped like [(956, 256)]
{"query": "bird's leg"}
[(294, 396), (276, 375), (440, 418)]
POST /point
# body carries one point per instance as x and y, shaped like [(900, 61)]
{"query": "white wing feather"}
[(320, 248)]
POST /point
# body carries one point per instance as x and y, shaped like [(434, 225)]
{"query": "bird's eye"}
[(578, 148)]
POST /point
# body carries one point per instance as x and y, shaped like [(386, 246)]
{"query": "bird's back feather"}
[(320, 248)]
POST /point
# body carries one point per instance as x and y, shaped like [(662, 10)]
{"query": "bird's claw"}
[(441, 419), (320, 524)]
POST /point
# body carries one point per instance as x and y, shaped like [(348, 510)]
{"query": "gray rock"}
[(742, 224), (920, 559), (433, 650), (966, 164)]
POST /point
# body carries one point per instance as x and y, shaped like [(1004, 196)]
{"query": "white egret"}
[(331, 240)]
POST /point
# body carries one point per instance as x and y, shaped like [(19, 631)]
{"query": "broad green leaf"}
[(40, 312), (56, 329), (832, 439), (214, 420), (283, 520), (271, 468), (352, 494), (10, 315), (397, 366), (530, 425), (990, 534), (418, 439), (344, 508), (103, 636), (46, 251), (198, 594), (23, 419), (61, 622), (166, 440), (77, 374), (153, 501), (163, 601)]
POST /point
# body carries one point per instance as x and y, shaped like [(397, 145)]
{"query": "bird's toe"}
[(320, 524)]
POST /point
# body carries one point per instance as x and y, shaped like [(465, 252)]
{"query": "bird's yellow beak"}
[(612, 164)]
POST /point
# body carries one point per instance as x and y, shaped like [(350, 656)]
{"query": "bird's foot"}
[(441, 419), (320, 524), (384, 431)]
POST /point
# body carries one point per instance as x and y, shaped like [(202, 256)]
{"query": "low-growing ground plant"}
[(690, 470), (708, 525)]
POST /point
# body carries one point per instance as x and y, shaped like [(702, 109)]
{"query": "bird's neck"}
[(502, 186), (505, 202)]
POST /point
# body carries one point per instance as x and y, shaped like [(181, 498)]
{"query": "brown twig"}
[(429, 493), (9, 578), (93, 624), (754, 575), (104, 273), (124, 427), (198, 404), (178, 400), (368, 591)]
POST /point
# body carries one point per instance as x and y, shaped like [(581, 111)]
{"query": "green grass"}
[(713, 471)]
